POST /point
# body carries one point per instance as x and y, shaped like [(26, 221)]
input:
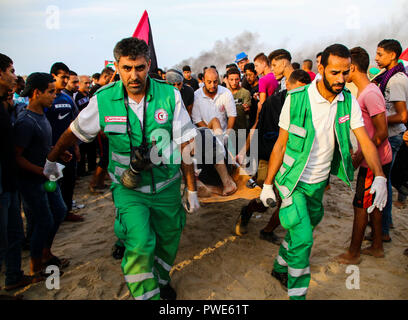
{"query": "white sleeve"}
[(86, 125), (398, 86), (284, 119), (356, 117), (183, 128), (195, 113), (230, 107)]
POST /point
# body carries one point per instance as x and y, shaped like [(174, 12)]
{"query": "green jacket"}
[(302, 137), (159, 118)]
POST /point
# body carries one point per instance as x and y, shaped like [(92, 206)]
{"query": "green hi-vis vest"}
[(159, 117), (302, 137)]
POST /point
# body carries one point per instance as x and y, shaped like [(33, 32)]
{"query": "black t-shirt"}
[(81, 100), (193, 83), (245, 84), (33, 133), (254, 105), (94, 88), (7, 159), (187, 94)]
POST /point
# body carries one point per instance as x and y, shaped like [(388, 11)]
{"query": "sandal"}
[(60, 263)]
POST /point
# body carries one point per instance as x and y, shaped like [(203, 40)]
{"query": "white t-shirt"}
[(86, 126), (323, 117), (396, 90), (222, 106)]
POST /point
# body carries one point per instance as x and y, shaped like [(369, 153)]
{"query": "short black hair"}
[(309, 63), (200, 76), (96, 76), (296, 65), (186, 68), (391, 45), (319, 54), (338, 50), (262, 57), (233, 71), (280, 54), (231, 65), (72, 73), (360, 58), (5, 62), (57, 67), (301, 76), (214, 67), (132, 48), (39, 81), (251, 67), (107, 70)]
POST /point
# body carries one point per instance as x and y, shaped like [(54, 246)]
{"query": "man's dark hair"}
[(5, 62), (214, 67), (132, 48), (57, 67), (186, 68), (72, 73), (309, 63), (96, 76), (262, 57), (360, 58), (319, 54), (39, 81), (391, 45), (251, 67), (107, 70), (233, 71), (200, 76), (337, 50), (231, 65), (279, 54), (301, 76), (296, 65)]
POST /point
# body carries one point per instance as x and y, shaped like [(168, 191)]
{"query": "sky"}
[(82, 34)]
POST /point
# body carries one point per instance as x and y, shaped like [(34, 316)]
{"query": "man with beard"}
[(175, 78), (253, 81), (134, 113), (314, 141)]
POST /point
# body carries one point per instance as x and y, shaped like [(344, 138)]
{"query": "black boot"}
[(168, 293), (282, 277)]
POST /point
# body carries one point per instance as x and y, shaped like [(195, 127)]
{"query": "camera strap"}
[(128, 127)]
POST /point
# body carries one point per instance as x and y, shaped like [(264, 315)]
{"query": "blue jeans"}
[(46, 210), (396, 142), (11, 236)]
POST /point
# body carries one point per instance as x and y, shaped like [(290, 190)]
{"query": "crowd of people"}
[(301, 122)]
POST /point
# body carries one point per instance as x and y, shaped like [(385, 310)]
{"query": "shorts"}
[(363, 199)]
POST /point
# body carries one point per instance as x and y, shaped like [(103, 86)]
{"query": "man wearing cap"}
[(241, 59), (175, 78), (33, 139), (188, 79), (145, 122)]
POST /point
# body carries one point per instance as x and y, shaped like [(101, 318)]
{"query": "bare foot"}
[(229, 188), (202, 190), (347, 258), (369, 251)]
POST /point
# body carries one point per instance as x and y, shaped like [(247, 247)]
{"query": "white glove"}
[(267, 193), (191, 204), (379, 187), (53, 169)]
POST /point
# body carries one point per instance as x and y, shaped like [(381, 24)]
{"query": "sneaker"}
[(72, 217), (241, 226), (168, 293), (281, 277), (76, 206), (24, 281), (269, 236)]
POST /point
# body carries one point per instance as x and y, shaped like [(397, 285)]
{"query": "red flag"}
[(404, 55), (143, 31)]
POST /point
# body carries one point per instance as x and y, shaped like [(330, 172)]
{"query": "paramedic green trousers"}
[(299, 218), (149, 225)]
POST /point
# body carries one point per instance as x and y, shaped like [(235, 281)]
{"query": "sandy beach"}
[(213, 263)]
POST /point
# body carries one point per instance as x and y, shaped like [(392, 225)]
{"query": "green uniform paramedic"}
[(314, 142), (133, 113)]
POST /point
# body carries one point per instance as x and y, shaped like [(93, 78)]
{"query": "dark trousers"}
[(67, 183), (88, 155)]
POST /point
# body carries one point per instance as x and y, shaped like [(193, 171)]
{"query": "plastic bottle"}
[(50, 185)]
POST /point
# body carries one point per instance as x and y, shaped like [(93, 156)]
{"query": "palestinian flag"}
[(144, 32)]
